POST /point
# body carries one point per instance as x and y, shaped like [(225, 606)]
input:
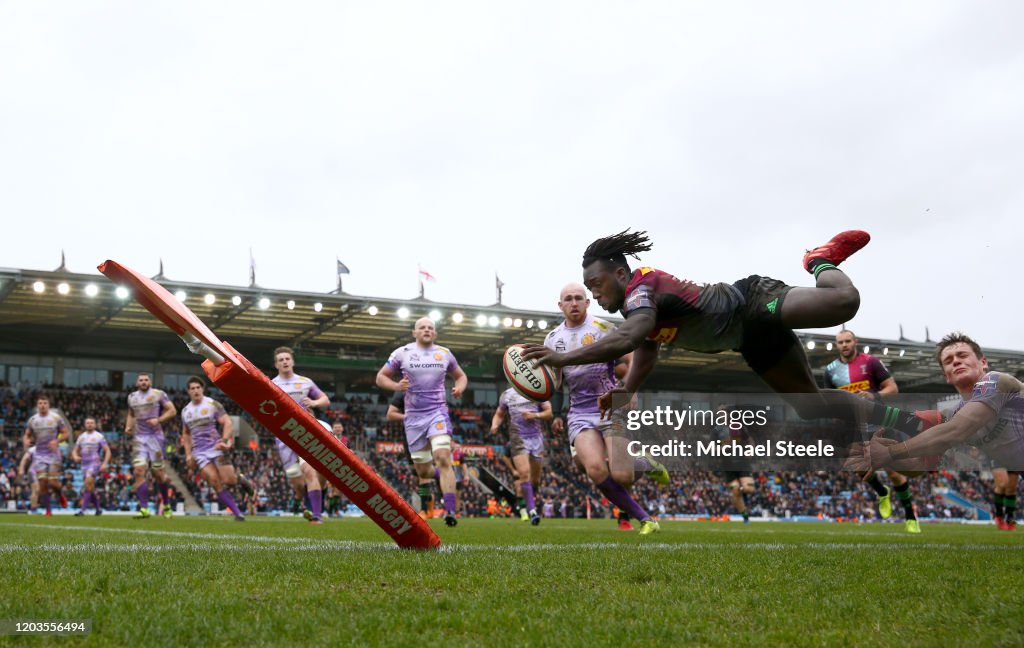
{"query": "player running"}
[(423, 366), (87, 452), (526, 442), (148, 409), (990, 415), (865, 375), (755, 316), (597, 444), (46, 430), (304, 480), (27, 466), (205, 446)]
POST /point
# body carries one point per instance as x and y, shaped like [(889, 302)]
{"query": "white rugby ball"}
[(534, 383)]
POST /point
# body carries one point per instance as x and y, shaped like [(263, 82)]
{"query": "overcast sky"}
[(478, 137)]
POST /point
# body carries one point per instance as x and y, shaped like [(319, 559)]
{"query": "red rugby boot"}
[(839, 249)]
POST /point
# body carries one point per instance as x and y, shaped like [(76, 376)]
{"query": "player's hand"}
[(529, 416), (605, 402), (103, 468), (457, 392), (307, 402), (190, 461), (494, 429), (543, 356), (21, 473), (52, 444), (866, 395), (557, 425), (223, 445), (153, 421), (403, 385)]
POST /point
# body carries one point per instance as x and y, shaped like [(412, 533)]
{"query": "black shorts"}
[(729, 476), (765, 340)]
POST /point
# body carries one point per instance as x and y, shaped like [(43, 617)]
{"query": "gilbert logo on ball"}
[(535, 383)]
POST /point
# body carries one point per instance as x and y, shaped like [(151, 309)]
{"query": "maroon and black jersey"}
[(698, 317)]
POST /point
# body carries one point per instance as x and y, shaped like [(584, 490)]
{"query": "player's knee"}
[(597, 471), (624, 477), (847, 302)]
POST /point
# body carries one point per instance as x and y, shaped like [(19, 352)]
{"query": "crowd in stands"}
[(564, 487)]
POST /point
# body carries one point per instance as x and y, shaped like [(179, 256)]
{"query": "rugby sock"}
[(620, 497), (44, 500), (164, 490), (449, 503), (817, 266), (897, 419), (227, 500), (85, 500), (317, 503), (906, 499), (746, 502), (143, 493), (875, 483), (528, 496), (437, 474), (997, 505), (307, 501), (424, 493), (1010, 507), (641, 464), (623, 516), (96, 500)]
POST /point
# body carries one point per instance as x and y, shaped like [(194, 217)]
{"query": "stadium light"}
[(543, 324), (517, 322), (92, 290), (63, 288), (318, 307), (828, 347), (290, 304), (403, 313), (372, 310), (457, 318), (264, 303), (481, 319), (867, 349), (39, 286), (435, 316), (236, 300), (903, 352), (493, 320), (507, 321), (180, 295), (209, 299), (885, 351), (810, 345), (529, 324), (121, 292)]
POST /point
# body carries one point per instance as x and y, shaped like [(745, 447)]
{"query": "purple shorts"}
[(148, 449), (532, 444), (207, 456), (419, 428), (47, 464), (91, 469)]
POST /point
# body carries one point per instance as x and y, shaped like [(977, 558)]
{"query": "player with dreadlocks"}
[(755, 316)]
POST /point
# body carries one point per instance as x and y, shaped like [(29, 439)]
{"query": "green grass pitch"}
[(214, 582)]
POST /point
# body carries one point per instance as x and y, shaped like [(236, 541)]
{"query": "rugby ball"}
[(534, 383)]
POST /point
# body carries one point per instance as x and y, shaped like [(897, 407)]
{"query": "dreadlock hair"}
[(614, 248)]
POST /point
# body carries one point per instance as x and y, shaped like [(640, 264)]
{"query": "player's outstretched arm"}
[(936, 440), (624, 339), (643, 360)]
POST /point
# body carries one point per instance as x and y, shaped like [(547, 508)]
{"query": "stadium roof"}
[(357, 332)]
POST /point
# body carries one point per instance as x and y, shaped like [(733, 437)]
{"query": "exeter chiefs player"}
[(46, 430), (593, 441), (148, 408), (205, 446), (526, 442), (423, 366), (304, 480), (87, 451)]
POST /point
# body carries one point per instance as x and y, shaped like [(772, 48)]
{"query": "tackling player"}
[(204, 446), (423, 366), (148, 408), (46, 430), (304, 480), (526, 442), (990, 415), (87, 452)]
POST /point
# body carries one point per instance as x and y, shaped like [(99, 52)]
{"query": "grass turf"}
[(206, 581)]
